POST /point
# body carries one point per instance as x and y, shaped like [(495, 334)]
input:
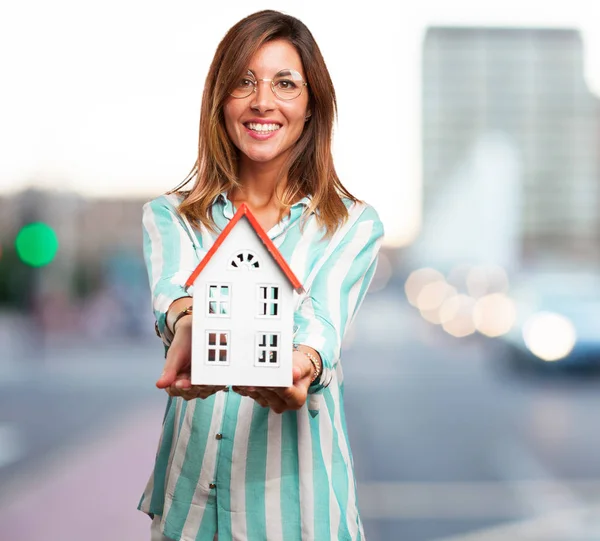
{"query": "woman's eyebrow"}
[(285, 71)]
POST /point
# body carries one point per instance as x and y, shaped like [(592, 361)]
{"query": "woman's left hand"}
[(281, 399), (176, 378)]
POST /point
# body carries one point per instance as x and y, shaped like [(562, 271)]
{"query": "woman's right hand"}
[(176, 376)]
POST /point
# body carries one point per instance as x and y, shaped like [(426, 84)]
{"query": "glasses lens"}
[(288, 84), (243, 87)]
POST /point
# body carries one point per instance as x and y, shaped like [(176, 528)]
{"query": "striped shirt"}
[(226, 463)]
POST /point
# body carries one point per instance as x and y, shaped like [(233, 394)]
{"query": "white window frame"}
[(268, 302), (217, 347), (219, 299), (268, 349)]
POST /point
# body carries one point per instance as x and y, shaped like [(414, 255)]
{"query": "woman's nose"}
[(263, 98)]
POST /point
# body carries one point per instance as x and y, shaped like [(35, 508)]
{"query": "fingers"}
[(189, 394), (279, 399), (183, 381), (178, 361), (254, 394), (250, 392), (166, 379), (180, 382), (193, 392), (170, 371), (272, 399)]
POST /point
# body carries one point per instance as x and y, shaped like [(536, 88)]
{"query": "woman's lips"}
[(261, 135)]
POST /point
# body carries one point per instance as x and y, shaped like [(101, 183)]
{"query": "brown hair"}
[(310, 169)]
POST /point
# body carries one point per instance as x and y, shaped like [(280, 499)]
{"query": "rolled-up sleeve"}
[(337, 293), (170, 255)]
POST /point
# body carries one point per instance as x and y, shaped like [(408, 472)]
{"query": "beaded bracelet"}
[(317, 365)]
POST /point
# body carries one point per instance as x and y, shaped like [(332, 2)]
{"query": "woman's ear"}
[(308, 115)]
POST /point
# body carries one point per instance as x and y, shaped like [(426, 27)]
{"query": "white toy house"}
[(243, 309)]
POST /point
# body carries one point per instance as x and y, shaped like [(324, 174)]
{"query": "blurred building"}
[(97, 272), (511, 148), (88, 229)]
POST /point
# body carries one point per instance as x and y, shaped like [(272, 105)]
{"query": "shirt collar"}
[(304, 202), (227, 212), (228, 205)]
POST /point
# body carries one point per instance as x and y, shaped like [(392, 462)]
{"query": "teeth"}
[(255, 126)]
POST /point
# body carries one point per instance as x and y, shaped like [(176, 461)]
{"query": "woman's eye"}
[(286, 84), (245, 83)]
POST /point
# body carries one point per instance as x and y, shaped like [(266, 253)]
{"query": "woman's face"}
[(263, 126)]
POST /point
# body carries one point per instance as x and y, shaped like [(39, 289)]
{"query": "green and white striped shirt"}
[(226, 463)]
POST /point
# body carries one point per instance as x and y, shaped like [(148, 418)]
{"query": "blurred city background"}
[(472, 371)]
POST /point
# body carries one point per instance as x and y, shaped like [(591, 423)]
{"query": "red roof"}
[(245, 211)]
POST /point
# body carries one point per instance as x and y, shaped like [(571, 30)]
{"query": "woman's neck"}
[(259, 188)]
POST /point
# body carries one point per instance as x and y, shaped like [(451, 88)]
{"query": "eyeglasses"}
[(286, 85)]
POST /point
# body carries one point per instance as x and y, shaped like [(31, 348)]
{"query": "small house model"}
[(243, 309)]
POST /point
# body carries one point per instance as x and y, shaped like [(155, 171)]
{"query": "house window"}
[(267, 349), (245, 259), (218, 298), (217, 348), (268, 301)]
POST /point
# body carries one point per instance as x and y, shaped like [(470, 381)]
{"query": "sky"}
[(103, 97)]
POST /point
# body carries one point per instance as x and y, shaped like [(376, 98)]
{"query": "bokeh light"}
[(417, 280), (36, 244), (433, 295), (470, 298), (494, 314), (456, 314), (549, 336), (432, 316)]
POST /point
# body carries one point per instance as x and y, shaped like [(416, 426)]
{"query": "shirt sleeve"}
[(337, 293), (169, 253)]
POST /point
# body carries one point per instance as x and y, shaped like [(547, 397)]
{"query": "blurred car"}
[(557, 324)]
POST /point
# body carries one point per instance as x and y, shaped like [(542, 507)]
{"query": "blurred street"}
[(447, 445)]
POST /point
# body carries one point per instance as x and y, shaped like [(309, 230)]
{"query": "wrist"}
[(176, 315), (314, 358), (183, 321), (180, 318)]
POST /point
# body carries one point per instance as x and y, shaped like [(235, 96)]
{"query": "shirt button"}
[(226, 390), (219, 436), (212, 485)]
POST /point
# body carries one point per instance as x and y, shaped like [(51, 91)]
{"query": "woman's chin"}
[(262, 157)]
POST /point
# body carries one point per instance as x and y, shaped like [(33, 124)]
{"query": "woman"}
[(253, 463)]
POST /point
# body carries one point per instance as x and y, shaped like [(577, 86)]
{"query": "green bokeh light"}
[(36, 244)]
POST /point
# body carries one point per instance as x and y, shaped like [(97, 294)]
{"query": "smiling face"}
[(263, 126)]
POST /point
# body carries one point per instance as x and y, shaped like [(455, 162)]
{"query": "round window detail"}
[(245, 259)]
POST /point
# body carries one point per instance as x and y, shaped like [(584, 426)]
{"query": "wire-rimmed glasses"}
[(286, 84)]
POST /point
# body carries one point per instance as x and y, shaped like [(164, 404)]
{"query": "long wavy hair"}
[(309, 168)]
